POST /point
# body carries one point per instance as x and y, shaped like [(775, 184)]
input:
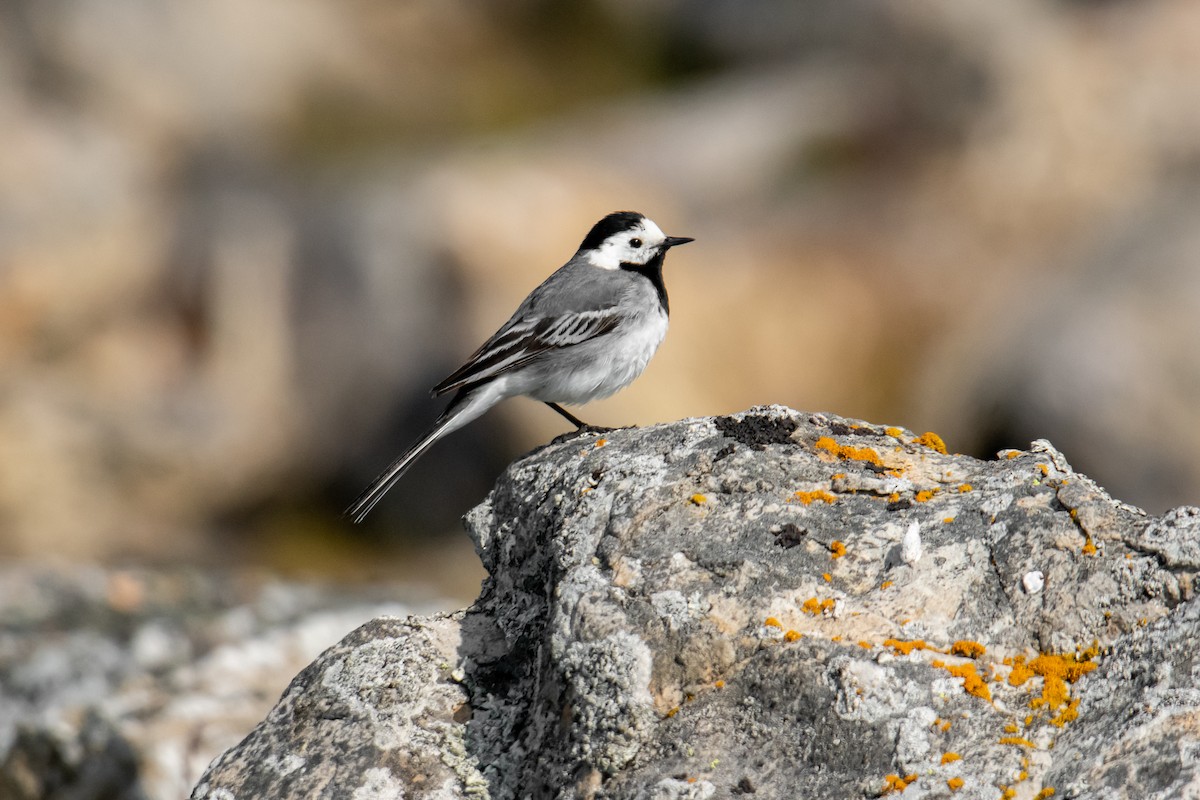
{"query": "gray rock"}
[(126, 683), (717, 607)]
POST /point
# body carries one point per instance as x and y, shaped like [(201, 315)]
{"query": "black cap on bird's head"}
[(616, 222)]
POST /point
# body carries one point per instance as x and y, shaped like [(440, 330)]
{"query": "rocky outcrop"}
[(124, 684), (773, 604)]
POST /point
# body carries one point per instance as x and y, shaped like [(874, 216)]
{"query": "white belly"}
[(600, 368)]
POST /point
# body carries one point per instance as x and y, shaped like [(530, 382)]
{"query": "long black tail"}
[(359, 509), (466, 406)]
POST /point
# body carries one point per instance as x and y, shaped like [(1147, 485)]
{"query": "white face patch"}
[(637, 245)]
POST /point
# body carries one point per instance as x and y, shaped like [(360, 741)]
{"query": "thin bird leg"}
[(571, 418)]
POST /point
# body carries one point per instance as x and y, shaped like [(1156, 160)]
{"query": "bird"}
[(584, 333)]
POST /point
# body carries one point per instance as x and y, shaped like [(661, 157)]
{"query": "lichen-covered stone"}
[(777, 604)]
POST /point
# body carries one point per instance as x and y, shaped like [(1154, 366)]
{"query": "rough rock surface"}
[(773, 604), (124, 684)]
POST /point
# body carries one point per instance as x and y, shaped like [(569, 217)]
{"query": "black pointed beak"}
[(672, 241)]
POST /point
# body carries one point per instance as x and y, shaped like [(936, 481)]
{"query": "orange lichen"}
[(973, 683), (1044, 794), (893, 497), (837, 549), (1089, 547), (846, 452), (925, 495), (828, 578), (894, 783), (955, 784), (1045, 469), (895, 433), (1068, 714), (1011, 454), (1019, 741), (814, 606), (719, 684), (947, 520), (791, 636), (967, 649), (808, 498), (950, 758), (865, 645), (963, 488), (944, 725), (771, 622), (601, 442), (837, 476), (1011, 728), (932, 441), (698, 499), (885, 584), (1056, 671), (905, 648)]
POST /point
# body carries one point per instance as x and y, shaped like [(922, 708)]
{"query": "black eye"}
[(635, 242)]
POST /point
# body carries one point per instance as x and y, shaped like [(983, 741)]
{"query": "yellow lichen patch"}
[(601, 442), (1006, 793), (895, 433), (925, 495), (947, 520), (944, 725), (955, 784), (1011, 454), (771, 622), (932, 441), (865, 645), (893, 497), (719, 684), (1045, 469), (846, 452), (885, 584), (894, 783), (963, 488), (837, 476), (973, 683), (967, 649), (1017, 741), (905, 648), (814, 606), (698, 499), (1089, 547), (1044, 794), (1056, 671), (1068, 714), (828, 578), (837, 549), (791, 636), (950, 758), (808, 498), (1011, 728)]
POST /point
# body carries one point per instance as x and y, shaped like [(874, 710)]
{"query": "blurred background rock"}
[(240, 239)]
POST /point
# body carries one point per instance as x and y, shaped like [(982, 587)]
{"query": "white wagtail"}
[(586, 332)]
